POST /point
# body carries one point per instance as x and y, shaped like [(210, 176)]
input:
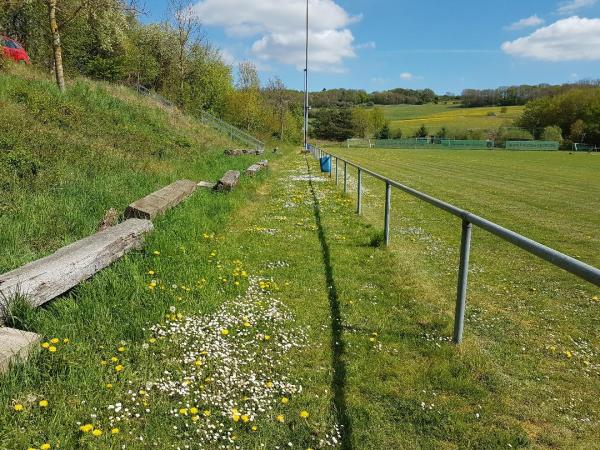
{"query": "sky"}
[(375, 45)]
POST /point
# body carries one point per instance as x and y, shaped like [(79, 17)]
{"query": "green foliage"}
[(553, 133), (513, 134), (576, 112), (422, 132), (334, 124)]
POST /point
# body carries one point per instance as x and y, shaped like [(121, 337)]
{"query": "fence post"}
[(336, 170), (345, 177), (463, 276), (359, 188), (388, 207)]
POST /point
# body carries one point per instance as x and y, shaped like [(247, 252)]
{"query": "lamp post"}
[(306, 107)]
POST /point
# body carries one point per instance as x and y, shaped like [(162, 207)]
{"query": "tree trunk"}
[(282, 123), (56, 46)]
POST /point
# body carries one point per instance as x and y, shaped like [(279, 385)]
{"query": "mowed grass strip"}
[(533, 323)]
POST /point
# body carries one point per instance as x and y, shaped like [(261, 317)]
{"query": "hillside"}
[(65, 160)]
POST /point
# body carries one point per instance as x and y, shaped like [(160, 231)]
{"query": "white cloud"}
[(278, 26), (571, 39), (569, 7), (408, 76), (367, 45), (533, 21)]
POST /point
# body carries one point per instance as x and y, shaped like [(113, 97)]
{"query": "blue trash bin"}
[(325, 164)]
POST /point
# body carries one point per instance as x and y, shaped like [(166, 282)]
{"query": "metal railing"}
[(234, 133), (554, 257)]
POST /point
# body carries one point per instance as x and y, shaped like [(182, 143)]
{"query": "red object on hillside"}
[(13, 50)]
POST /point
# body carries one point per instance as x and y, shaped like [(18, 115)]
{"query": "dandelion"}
[(193, 411), (52, 349), (54, 341), (66, 340), (183, 412), (114, 359), (224, 332), (151, 272), (45, 345), (285, 400), (245, 418), (18, 407), (235, 415), (121, 349), (156, 253), (304, 414), (97, 432), (119, 368), (43, 403), (280, 418), (254, 428), (109, 386), (115, 431), (44, 446), (206, 413), (88, 427)]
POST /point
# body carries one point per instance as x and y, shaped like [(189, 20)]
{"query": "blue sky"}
[(382, 44)]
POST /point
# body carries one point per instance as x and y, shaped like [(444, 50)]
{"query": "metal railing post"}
[(337, 163), (388, 207), (463, 276), (345, 177), (359, 189)]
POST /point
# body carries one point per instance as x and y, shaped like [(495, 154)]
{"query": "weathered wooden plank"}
[(240, 152), (229, 181), (255, 168), (160, 201), (207, 185), (15, 345), (49, 277)]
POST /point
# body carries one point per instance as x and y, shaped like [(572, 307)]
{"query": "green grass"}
[(409, 118)]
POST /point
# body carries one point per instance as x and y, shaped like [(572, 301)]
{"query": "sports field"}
[(535, 324), (409, 118)]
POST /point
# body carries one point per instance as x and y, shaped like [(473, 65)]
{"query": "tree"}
[(422, 132), (578, 131), (334, 124), (552, 133), (276, 94), (361, 122), (385, 132), (248, 78), (56, 45), (185, 22)]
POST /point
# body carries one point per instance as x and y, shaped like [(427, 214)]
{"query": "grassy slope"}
[(409, 118), (65, 160)]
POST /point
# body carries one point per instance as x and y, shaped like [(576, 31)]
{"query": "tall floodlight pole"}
[(306, 107)]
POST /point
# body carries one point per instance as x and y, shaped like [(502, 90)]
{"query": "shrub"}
[(553, 133), (422, 132)]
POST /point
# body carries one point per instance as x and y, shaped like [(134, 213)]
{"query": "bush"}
[(513, 134), (553, 133), (503, 110), (422, 132)]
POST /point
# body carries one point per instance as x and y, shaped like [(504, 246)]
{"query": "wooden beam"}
[(255, 168), (160, 201), (229, 181), (42, 280), (15, 346)]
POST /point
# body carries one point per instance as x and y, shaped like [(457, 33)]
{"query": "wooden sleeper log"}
[(160, 201), (229, 181), (255, 168), (47, 278)]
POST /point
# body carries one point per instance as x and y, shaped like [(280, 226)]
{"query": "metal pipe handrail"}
[(558, 259)]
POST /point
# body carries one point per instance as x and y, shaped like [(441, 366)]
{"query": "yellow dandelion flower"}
[(114, 359), (198, 362), (195, 418), (267, 337), (121, 349), (280, 418), (224, 332), (304, 414), (193, 410), (86, 428), (151, 272), (44, 446), (285, 400), (54, 341), (43, 403), (52, 349), (183, 411), (119, 368), (45, 344), (109, 386), (152, 340), (97, 432), (269, 384), (115, 431), (18, 407), (156, 253), (66, 340), (254, 428), (245, 418)]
